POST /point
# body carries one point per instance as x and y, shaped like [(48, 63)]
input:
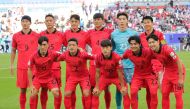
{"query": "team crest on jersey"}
[(120, 63), (172, 54)]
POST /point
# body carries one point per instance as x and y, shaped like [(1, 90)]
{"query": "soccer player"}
[(42, 61), (81, 36), (25, 42), (95, 36), (119, 39), (109, 71), (143, 73), (76, 64), (55, 43), (174, 73), (149, 30)]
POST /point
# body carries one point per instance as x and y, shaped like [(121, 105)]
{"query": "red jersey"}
[(144, 35), (80, 35), (108, 67), (95, 37), (56, 41), (26, 44), (168, 58), (76, 65), (142, 61), (43, 65)]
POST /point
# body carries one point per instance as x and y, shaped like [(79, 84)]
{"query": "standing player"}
[(109, 64), (76, 64), (149, 30), (55, 43), (141, 57), (95, 36), (119, 39), (173, 78), (81, 36), (25, 42), (42, 61)]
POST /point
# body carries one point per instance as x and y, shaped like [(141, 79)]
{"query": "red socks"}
[(107, 97), (43, 98), (57, 101), (67, 102), (22, 100), (34, 102)]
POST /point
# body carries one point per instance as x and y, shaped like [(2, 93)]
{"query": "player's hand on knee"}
[(96, 91), (123, 90), (180, 83)]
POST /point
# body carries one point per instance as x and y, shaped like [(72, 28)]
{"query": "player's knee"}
[(23, 90), (86, 92), (55, 92), (67, 93)]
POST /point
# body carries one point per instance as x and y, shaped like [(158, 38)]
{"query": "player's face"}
[(148, 24), (72, 46), (135, 47), (122, 22), (74, 23), (98, 22), (25, 24), (50, 22), (43, 47), (106, 51), (153, 44)]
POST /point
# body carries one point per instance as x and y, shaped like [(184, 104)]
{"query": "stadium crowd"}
[(167, 19)]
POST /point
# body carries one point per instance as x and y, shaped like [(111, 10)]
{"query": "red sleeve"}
[(62, 57), (14, 43), (125, 54), (64, 39), (161, 36), (56, 56), (31, 62), (97, 61), (119, 63), (171, 54), (88, 56), (88, 38)]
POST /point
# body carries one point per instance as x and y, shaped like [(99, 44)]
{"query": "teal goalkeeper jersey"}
[(120, 43)]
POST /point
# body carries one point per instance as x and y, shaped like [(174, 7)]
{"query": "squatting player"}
[(174, 72), (109, 71), (42, 61), (143, 73), (76, 65)]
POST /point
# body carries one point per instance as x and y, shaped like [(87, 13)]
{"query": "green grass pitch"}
[(9, 93)]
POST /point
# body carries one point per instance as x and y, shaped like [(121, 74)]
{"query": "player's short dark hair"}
[(122, 14), (49, 15), (106, 43), (41, 39), (26, 17), (98, 15), (74, 40), (153, 36), (136, 38), (147, 18), (75, 16)]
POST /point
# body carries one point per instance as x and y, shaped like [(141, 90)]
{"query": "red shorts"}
[(92, 71), (50, 85), (170, 83), (72, 82), (57, 75), (22, 78), (139, 82), (105, 82)]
